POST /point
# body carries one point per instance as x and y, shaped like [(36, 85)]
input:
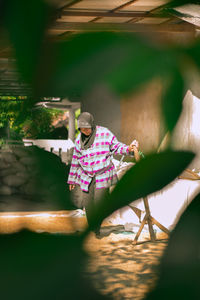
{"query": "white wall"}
[(62, 148), (186, 135)]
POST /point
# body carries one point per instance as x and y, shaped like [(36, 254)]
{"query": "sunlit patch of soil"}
[(120, 269)]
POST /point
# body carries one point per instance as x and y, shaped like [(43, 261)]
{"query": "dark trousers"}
[(90, 198)]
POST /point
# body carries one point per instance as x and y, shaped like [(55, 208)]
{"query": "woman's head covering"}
[(86, 120)]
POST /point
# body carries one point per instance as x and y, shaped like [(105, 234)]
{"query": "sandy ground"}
[(123, 270)]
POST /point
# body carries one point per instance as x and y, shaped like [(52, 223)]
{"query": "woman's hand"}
[(133, 145), (71, 187)]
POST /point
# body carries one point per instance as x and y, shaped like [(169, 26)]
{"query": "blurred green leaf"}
[(149, 175), (170, 6), (44, 266), (124, 61), (172, 100), (180, 265), (175, 3), (84, 60), (51, 178), (26, 22), (193, 52), (144, 64)]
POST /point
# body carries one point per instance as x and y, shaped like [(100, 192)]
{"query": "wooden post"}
[(71, 134)]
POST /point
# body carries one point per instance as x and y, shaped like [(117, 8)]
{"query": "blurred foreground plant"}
[(50, 266)]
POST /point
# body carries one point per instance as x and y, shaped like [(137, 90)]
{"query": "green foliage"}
[(172, 99), (180, 264), (175, 3), (77, 113), (9, 111), (50, 175), (26, 23), (144, 62), (193, 53), (38, 124), (7, 98), (83, 60), (43, 266)]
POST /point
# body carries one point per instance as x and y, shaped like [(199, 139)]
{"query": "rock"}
[(13, 180), (27, 160), (10, 198), (20, 151), (33, 170), (5, 190), (26, 189), (19, 166), (6, 172), (4, 165), (16, 203), (8, 157), (30, 188), (37, 176), (24, 175)]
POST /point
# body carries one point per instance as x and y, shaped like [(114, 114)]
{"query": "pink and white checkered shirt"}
[(96, 160)]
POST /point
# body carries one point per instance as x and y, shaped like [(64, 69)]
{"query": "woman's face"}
[(86, 131)]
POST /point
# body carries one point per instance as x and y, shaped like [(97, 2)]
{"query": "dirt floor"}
[(123, 270)]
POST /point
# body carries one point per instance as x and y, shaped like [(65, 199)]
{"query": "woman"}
[(92, 168)]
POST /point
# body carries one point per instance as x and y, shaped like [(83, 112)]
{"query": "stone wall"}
[(32, 179)]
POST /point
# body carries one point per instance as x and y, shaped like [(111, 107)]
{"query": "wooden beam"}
[(128, 3), (137, 14), (70, 3), (116, 9), (155, 12), (124, 27)]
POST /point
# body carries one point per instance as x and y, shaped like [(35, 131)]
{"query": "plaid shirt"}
[(96, 160)]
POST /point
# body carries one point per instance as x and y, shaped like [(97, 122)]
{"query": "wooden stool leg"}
[(137, 211), (140, 229), (149, 220), (163, 228)]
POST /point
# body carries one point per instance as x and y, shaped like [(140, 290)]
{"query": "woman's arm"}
[(122, 149), (73, 169)]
